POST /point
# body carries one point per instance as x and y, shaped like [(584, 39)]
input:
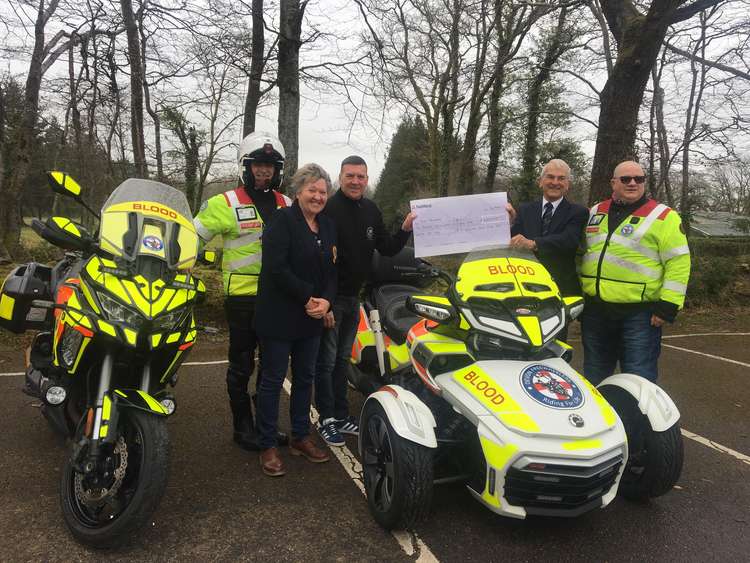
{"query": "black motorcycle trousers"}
[(242, 345)]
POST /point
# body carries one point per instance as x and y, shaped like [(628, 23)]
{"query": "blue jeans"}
[(275, 362), (333, 359), (631, 341)]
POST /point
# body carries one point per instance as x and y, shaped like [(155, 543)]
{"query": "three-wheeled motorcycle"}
[(115, 321), (472, 386)]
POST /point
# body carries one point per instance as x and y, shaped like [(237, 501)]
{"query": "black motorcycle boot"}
[(282, 439), (244, 433)]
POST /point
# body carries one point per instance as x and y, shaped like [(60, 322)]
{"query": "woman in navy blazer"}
[(296, 287)]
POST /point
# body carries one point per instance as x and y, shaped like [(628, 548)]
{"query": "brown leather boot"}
[(270, 463), (306, 447)]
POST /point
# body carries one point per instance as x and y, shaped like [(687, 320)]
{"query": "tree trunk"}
[(292, 12), (256, 70), (527, 189), (136, 89), (639, 40), (152, 110)]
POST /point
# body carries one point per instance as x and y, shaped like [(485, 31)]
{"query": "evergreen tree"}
[(405, 175)]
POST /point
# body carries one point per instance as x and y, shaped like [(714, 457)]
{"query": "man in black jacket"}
[(552, 228), (360, 231)]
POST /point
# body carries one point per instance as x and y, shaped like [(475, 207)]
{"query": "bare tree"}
[(290, 41), (44, 53), (639, 38), (136, 88)]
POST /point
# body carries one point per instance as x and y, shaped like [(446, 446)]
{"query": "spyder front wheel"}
[(397, 472)]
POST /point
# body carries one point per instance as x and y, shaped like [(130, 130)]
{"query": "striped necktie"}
[(546, 218)]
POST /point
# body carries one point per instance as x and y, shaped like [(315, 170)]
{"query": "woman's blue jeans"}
[(276, 355)]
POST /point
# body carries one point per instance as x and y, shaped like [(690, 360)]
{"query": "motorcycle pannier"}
[(23, 285)]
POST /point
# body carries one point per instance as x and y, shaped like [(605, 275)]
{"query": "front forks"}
[(87, 453)]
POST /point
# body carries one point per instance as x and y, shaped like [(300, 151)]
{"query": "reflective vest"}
[(233, 215), (645, 259)]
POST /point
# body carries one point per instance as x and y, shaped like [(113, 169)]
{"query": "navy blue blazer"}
[(295, 267), (556, 251)]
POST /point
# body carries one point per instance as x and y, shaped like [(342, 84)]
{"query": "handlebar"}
[(424, 271)]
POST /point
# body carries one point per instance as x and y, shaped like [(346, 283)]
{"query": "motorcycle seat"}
[(395, 318)]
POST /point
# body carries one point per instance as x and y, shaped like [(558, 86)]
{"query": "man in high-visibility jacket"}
[(239, 216), (634, 275)]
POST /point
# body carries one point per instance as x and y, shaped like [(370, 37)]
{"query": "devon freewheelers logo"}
[(551, 388)]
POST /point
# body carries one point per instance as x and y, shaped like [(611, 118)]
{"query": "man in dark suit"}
[(552, 227)]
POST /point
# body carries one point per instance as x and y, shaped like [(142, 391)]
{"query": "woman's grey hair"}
[(309, 173)]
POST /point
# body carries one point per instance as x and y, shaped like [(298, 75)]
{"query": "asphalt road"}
[(219, 506)]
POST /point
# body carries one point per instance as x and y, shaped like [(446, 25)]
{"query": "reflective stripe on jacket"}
[(645, 259), (234, 216)]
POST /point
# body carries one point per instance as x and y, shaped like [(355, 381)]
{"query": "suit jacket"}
[(294, 268), (557, 250)]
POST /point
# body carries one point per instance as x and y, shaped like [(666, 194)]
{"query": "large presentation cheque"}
[(449, 225)]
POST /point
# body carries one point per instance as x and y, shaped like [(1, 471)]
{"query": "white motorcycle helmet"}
[(260, 147)]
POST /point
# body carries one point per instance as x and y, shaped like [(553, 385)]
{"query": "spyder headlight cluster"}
[(117, 312)]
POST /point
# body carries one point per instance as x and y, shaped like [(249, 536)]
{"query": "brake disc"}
[(100, 495)]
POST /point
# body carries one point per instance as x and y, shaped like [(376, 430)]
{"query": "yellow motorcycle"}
[(115, 321)]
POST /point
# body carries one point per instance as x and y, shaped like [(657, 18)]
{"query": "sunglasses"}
[(628, 179)]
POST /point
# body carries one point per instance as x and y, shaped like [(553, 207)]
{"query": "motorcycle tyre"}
[(153, 475), (412, 475), (662, 452)]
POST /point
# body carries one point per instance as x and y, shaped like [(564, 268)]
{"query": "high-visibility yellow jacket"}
[(234, 216), (644, 259)]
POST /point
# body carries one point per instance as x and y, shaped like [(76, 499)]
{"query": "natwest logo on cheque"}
[(153, 208), (484, 387)]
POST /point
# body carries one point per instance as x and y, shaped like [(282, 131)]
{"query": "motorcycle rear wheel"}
[(109, 522)]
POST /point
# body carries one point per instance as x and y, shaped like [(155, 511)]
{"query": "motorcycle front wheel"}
[(132, 481)]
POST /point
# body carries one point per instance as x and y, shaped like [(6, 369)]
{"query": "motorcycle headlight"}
[(117, 312), (168, 321)]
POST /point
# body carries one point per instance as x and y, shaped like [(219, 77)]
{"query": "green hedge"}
[(723, 247)]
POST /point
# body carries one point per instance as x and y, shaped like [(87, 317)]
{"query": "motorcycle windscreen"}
[(143, 217)]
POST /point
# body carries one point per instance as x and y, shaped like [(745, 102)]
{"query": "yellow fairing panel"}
[(518, 277), (488, 392), (499, 457)]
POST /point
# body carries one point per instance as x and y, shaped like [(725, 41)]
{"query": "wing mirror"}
[(573, 306), (65, 185), (436, 309)]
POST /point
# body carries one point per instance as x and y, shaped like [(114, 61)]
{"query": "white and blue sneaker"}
[(348, 425), (330, 433)]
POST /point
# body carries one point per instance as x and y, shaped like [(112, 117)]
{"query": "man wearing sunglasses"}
[(634, 275), (551, 228)]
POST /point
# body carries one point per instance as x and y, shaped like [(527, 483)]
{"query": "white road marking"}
[(718, 447), (706, 334), (707, 355), (409, 541)]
